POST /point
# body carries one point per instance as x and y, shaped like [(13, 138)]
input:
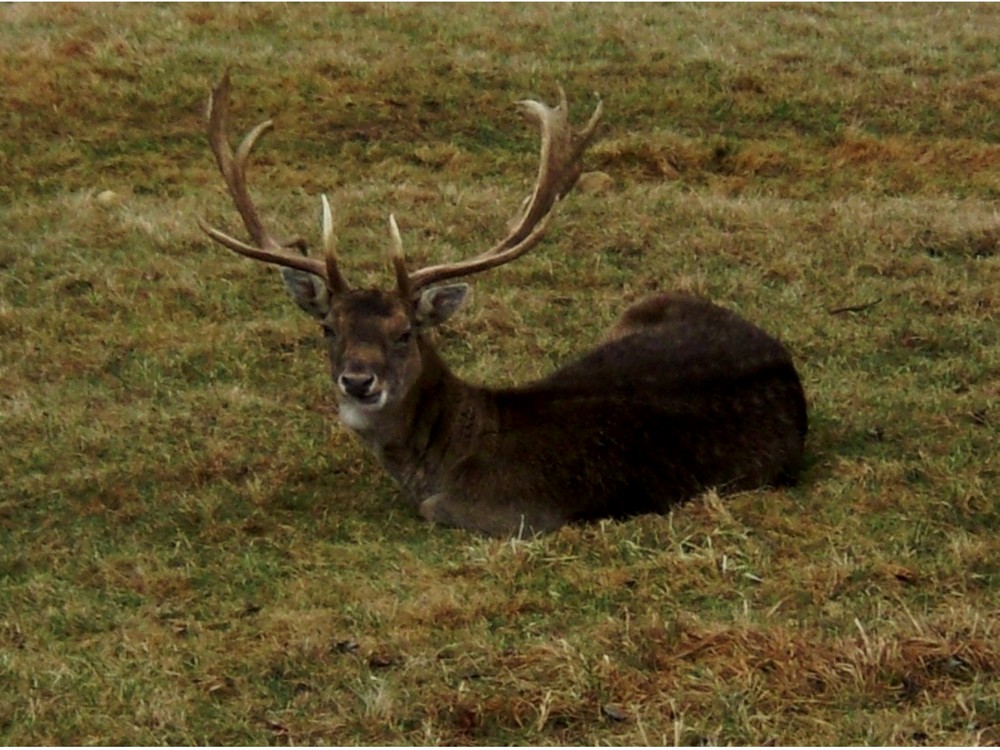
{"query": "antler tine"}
[(559, 168), (233, 169), (334, 280), (398, 261)]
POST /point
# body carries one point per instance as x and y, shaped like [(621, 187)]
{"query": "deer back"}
[(684, 396)]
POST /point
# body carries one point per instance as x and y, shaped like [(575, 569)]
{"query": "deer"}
[(680, 397)]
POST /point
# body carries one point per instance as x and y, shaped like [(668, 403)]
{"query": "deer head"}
[(376, 337)]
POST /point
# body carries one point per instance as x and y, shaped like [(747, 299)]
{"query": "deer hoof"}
[(432, 509)]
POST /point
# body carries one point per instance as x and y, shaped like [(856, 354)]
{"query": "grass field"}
[(193, 551)]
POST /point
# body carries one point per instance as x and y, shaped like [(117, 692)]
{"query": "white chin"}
[(359, 416)]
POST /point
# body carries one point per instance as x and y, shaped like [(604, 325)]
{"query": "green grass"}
[(191, 549)]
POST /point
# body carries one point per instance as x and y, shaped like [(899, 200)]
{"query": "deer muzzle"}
[(364, 387)]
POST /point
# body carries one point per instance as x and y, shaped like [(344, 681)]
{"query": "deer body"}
[(681, 396), (684, 396)]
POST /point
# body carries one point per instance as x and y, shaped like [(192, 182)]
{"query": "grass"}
[(192, 551)]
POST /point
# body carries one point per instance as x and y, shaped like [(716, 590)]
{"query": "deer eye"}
[(403, 339), (329, 332)]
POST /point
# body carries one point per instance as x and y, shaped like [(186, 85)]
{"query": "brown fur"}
[(684, 396)]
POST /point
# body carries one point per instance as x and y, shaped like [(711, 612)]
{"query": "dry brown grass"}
[(191, 551)]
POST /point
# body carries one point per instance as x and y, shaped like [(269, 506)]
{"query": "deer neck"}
[(431, 428)]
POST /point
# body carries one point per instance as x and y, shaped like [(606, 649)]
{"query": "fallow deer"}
[(682, 395)]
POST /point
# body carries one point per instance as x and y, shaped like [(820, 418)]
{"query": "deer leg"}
[(507, 520)]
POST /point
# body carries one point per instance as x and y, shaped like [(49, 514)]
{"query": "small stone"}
[(595, 183), (107, 198), (615, 712)]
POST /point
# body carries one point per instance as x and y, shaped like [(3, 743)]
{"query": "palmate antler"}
[(558, 172), (233, 169), (559, 169)]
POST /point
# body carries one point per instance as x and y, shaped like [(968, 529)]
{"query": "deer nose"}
[(358, 385)]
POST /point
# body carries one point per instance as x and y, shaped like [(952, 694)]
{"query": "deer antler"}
[(559, 168), (558, 172), (233, 169)]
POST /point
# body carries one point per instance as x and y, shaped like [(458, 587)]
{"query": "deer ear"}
[(308, 290), (435, 305)]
